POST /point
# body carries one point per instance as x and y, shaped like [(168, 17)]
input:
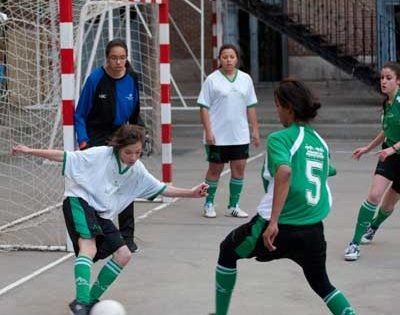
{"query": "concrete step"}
[(326, 115), (350, 110), (329, 131)]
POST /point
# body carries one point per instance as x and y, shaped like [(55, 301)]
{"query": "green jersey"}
[(391, 121), (306, 153)]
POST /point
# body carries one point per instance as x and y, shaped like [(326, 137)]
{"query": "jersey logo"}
[(102, 96), (129, 97)]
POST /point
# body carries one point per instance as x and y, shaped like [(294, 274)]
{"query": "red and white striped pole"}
[(67, 73), (67, 79), (165, 98)]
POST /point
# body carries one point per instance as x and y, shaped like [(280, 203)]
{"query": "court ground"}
[(174, 271)]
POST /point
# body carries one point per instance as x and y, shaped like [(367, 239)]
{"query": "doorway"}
[(269, 49)]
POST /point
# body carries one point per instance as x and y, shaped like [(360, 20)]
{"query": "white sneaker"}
[(209, 210), (236, 212), (352, 252)]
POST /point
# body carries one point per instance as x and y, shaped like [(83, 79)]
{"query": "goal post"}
[(40, 55), (148, 47)]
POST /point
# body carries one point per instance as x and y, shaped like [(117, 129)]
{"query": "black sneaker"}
[(131, 245), (79, 308)]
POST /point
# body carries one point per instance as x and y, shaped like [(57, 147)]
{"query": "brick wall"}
[(188, 21)]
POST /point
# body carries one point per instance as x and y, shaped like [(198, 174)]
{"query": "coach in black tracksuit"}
[(109, 99)]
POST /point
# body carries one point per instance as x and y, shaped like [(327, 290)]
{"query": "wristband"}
[(395, 150)]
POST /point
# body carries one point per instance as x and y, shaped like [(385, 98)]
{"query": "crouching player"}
[(100, 183), (297, 200)]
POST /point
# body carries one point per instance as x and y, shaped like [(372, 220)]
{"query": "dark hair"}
[(116, 43), (119, 43), (127, 134), (228, 46), (294, 94), (395, 67)]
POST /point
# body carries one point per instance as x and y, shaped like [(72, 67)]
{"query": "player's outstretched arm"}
[(357, 153), (52, 155), (198, 191)]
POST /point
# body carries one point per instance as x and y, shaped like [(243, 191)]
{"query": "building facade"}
[(366, 29)]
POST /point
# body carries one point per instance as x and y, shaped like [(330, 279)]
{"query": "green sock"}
[(380, 217), (213, 184), (235, 188), (365, 215), (107, 275), (338, 304), (83, 269), (225, 279)]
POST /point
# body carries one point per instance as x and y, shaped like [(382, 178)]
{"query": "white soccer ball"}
[(108, 307)]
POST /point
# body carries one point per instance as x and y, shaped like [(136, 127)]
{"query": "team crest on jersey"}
[(129, 97), (102, 96)]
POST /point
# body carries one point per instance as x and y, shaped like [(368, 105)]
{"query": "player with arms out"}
[(297, 199), (385, 187), (100, 183)]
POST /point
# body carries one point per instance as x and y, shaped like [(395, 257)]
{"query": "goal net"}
[(31, 190)]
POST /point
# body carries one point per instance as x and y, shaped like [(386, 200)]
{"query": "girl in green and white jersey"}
[(296, 200), (380, 201)]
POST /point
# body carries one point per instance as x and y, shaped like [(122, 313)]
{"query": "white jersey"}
[(227, 102), (97, 176)]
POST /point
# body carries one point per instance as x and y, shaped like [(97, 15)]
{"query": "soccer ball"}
[(108, 307)]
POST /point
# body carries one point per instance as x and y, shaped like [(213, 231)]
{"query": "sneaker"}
[(368, 236), (209, 210), (352, 252), (236, 212), (79, 308), (131, 245)]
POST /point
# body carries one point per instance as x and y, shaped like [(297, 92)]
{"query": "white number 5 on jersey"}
[(314, 180)]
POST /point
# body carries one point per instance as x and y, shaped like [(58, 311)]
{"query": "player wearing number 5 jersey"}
[(296, 200)]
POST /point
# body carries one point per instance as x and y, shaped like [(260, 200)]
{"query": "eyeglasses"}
[(117, 58)]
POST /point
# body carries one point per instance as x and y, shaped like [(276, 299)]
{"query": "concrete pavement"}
[(174, 271)]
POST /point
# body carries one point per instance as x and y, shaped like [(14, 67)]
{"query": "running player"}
[(296, 201), (387, 172), (227, 100), (100, 183)]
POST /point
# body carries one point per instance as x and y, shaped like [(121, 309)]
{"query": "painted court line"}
[(39, 271), (34, 274)]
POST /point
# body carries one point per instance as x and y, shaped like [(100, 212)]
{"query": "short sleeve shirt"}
[(97, 176), (391, 121), (227, 102), (306, 153)]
